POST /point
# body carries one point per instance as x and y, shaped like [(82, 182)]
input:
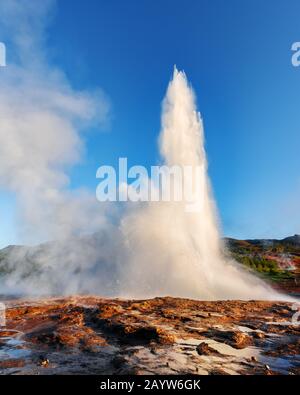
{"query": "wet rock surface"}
[(92, 335)]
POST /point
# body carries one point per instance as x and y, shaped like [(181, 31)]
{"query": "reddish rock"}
[(92, 335), (204, 349)]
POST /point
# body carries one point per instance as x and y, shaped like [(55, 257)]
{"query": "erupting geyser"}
[(171, 251), (160, 248)]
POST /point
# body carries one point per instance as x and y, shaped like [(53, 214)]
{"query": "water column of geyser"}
[(174, 252)]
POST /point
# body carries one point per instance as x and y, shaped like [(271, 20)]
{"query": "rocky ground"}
[(91, 335)]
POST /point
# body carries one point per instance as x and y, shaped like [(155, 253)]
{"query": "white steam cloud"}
[(41, 121)]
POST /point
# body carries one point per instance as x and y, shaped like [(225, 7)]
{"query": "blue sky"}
[(237, 55)]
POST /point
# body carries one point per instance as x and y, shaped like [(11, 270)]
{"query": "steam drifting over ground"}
[(158, 249), (42, 119)]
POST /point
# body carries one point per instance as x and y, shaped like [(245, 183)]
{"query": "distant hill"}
[(289, 244), (276, 260), (292, 240)]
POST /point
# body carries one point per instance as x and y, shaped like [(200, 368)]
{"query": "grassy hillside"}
[(275, 260)]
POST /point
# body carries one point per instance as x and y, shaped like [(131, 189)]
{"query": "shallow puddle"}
[(12, 347)]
